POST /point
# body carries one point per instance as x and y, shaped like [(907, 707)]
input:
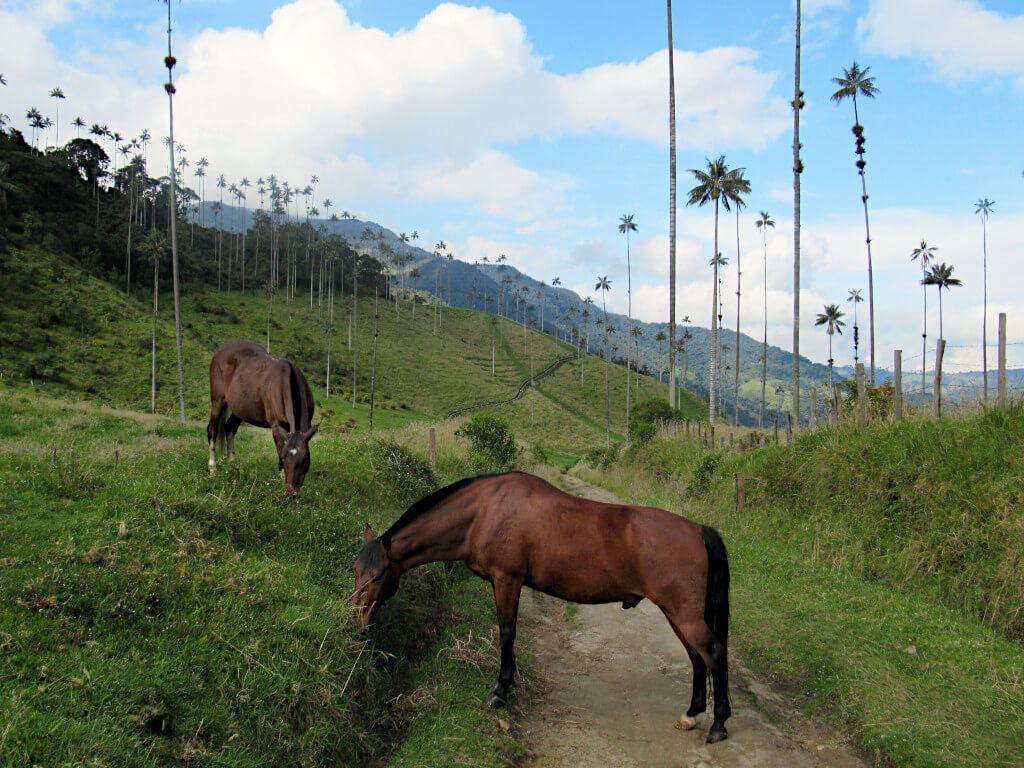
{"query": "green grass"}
[(874, 572), (153, 615), (68, 334)]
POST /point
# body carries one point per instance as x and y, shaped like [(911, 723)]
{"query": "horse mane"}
[(429, 502), (298, 400)]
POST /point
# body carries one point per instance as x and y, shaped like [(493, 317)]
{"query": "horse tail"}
[(221, 435), (716, 598)]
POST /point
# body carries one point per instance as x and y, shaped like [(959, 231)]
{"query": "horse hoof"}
[(686, 723), (494, 701), (717, 733)]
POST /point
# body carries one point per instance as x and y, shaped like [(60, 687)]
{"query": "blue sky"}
[(527, 128)]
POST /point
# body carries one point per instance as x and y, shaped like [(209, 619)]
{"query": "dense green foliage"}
[(494, 445), (154, 615)]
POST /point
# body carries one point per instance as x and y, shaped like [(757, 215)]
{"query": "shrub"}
[(601, 458), (408, 474), (702, 475), (645, 416), (494, 446)]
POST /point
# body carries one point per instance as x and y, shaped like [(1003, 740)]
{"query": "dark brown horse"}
[(247, 384), (515, 529)]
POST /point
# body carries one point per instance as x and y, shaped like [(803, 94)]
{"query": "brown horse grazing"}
[(247, 384), (515, 529)]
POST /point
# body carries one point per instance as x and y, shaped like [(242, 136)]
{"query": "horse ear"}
[(308, 434), (368, 533), (280, 435)]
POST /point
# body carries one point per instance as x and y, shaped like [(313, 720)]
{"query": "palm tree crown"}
[(941, 275), (854, 82)]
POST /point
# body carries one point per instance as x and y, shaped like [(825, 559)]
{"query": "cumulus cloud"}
[(316, 92), (959, 38)]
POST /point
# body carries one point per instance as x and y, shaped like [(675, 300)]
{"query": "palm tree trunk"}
[(671, 211), (984, 311), (174, 227), (797, 170), (736, 373), (713, 357), (629, 329), (156, 294), (924, 346), (764, 344)]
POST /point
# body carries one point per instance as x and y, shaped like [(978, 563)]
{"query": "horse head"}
[(293, 455), (376, 575)]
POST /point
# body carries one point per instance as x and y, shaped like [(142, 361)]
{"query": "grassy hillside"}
[(153, 615), (878, 571), (68, 332)]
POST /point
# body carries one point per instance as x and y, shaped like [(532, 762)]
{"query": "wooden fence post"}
[(862, 396), (433, 449), (897, 365), (732, 444), (814, 409), (741, 497), (1002, 360), (789, 427), (837, 402), (776, 430), (940, 348)]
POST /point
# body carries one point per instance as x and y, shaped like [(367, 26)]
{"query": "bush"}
[(643, 419), (702, 475), (494, 446), (408, 474), (644, 432), (601, 458)]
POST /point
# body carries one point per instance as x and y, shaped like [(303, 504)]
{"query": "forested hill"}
[(494, 287)]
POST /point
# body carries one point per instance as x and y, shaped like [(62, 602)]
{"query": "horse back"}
[(250, 381), (579, 549)]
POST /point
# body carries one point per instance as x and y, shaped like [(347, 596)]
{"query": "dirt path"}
[(610, 684)]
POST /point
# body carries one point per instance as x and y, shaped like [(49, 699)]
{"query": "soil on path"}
[(609, 684)]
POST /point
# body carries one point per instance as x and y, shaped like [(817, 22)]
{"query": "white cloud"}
[(812, 8), (961, 39), (315, 92)]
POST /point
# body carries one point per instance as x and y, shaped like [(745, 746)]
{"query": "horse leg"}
[(217, 406), (506, 599), (702, 644), (698, 699), (231, 428)]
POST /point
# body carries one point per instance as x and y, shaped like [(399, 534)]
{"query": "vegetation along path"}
[(610, 685), (522, 389)]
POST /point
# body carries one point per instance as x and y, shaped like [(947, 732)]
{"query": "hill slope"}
[(66, 331)]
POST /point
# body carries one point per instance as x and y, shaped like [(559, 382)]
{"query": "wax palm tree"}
[(853, 83), (763, 225), (830, 319), (79, 124), (58, 96), (941, 276), (672, 209), (660, 337), (710, 188), (925, 254), (169, 62), (855, 298), (627, 225), (984, 207), (736, 186), (604, 285), (798, 168)]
